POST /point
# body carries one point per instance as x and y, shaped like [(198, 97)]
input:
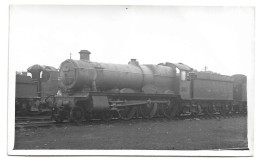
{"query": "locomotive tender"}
[(105, 90)]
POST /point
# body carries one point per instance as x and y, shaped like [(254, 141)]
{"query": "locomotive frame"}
[(166, 89)]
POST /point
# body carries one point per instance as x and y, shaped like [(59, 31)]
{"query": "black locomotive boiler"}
[(101, 90)]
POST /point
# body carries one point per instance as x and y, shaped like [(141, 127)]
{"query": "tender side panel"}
[(240, 87), (212, 89)]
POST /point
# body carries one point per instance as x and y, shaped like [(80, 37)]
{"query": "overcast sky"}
[(220, 38)]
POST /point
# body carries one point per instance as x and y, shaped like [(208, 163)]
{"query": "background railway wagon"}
[(240, 92), (240, 87), (32, 90), (25, 93)]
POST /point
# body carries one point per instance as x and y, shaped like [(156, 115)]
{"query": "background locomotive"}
[(105, 90), (31, 91)]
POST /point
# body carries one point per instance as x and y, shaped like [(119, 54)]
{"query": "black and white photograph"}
[(131, 80)]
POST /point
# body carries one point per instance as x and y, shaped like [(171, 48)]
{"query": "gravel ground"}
[(158, 134)]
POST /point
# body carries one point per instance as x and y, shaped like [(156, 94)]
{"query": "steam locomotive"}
[(32, 90), (101, 90)]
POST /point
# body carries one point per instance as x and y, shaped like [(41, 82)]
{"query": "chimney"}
[(84, 55), (134, 62)]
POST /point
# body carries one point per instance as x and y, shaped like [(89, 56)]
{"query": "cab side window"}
[(177, 72), (183, 75), (45, 76)]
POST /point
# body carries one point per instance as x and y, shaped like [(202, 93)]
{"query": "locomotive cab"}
[(184, 83)]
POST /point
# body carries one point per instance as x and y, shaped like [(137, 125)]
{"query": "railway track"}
[(32, 122), (40, 118), (39, 124)]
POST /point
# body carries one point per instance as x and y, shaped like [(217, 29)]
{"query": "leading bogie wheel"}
[(107, 115), (88, 115), (76, 114)]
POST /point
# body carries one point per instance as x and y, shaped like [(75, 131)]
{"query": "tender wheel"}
[(245, 109), (210, 110), (107, 115), (241, 108), (127, 113), (235, 109), (149, 110), (195, 110), (224, 109), (76, 114)]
